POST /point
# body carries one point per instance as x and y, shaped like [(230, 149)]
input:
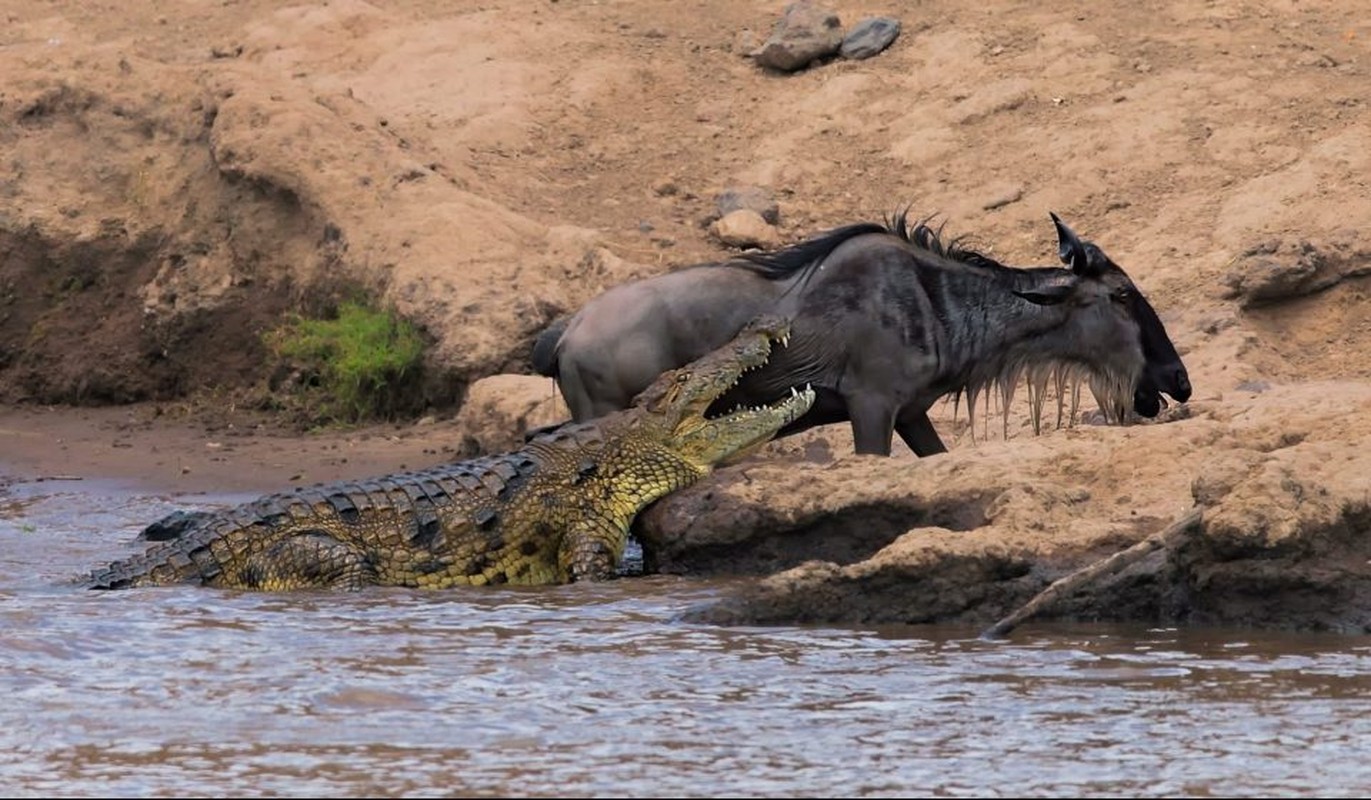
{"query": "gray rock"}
[(869, 37), (804, 33)]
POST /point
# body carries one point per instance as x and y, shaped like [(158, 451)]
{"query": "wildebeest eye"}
[(1122, 296)]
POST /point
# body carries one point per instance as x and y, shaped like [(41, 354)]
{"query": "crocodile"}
[(554, 511)]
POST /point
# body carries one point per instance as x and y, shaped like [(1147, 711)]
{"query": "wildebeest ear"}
[(1070, 248), (1049, 295)]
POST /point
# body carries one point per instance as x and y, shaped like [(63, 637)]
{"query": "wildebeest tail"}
[(544, 357)]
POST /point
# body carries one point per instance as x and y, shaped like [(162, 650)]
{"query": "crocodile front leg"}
[(306, 560), (591, 550)]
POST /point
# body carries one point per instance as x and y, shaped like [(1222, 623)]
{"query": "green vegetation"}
[(362, 364)]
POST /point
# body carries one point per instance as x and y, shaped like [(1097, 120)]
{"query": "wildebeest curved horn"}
[(1070, 248)]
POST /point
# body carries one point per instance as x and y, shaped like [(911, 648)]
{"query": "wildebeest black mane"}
[(789, 260), (925, 237), (797, 257)]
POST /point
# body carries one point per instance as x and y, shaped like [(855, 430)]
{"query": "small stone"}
[(746, 43), (745, 228), (869, 37), (1003, 198)]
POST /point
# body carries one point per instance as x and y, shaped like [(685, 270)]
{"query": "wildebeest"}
[(887, 319)]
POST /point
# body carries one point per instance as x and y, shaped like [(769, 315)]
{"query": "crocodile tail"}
[(184, 557), (195, 546), (544, 356), (187, 547), (219, 547)]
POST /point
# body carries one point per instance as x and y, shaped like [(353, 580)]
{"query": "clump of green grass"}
[(363, 364)]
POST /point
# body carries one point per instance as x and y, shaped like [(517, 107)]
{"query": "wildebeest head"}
[(1163, 370)]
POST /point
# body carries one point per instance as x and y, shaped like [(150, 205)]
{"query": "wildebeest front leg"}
[(873, 422), (918, 432)]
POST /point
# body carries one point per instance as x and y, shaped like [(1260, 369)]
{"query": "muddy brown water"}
[(600, 690)]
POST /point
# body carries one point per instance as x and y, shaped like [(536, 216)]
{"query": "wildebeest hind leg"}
[(587, 395), (918, 432)]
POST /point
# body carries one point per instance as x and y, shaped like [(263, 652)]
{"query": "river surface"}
[(600, 690)]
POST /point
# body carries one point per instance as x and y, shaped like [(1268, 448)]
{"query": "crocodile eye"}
[(682, 377)]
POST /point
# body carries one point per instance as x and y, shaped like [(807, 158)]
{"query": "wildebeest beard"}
[(1057, 381)]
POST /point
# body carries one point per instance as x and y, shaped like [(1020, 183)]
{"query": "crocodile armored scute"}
[(556, 510)]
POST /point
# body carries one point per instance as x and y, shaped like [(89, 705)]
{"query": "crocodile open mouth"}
[(718, 409), (790, 408), (707, 425), (725, 404), (732, 436)]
